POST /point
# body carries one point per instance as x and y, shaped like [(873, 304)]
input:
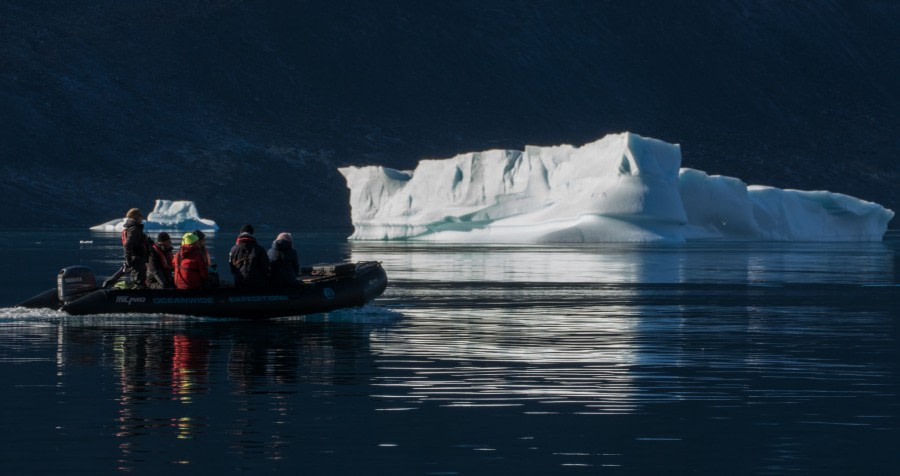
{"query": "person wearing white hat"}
[(283, 264)]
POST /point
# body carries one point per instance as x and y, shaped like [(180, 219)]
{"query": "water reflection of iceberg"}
[(509, 326), (631, 263), (595, 263), (534, 326)]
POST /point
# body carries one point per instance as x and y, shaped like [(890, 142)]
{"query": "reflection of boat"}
[(324, 289)]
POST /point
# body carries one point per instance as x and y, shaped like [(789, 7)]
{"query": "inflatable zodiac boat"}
[(322, 288)]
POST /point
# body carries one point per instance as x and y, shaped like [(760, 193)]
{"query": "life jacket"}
[(166, 265), (190, 268)]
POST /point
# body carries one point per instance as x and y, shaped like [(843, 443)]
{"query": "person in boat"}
[(136, 245), (283, 264), (190, 264), (159, 266), (202, 245), (248, 261), (213, 281)]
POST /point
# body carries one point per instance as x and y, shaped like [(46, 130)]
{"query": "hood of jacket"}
[(131, 222), (245, 238), (282, 245), (190, 251)]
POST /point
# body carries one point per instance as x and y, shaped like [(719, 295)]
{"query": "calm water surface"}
[(705, 358)]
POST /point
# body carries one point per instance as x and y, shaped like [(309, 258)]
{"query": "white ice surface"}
[(623, 187), (167, 215), (726, 208)]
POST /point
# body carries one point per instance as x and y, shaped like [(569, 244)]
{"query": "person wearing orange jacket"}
[(159, 266), (189, 264)]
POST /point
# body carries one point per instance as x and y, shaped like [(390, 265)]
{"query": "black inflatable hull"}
[(314, 295)]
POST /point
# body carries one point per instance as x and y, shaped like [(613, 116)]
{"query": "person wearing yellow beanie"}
[(190, 264), (189, 239)]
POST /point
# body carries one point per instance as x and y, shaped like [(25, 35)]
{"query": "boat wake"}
[(24, 314), (368, 314)]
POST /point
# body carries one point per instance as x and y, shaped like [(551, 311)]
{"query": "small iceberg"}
[(167, 215)]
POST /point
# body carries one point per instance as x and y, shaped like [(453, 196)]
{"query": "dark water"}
[(609, 359)]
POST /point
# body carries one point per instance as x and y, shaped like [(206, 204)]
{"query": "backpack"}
[(242, 260)]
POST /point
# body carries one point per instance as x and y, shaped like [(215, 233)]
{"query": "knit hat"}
[(200, 234), (189, 239), (247, 229), (286, 237), (162, 236), (133, 213)]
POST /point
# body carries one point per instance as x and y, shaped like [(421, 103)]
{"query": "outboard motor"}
[(74, 282)]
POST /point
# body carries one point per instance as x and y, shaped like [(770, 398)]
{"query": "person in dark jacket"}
[(283, 264), (248, 261), (190, 264), (159, 266), (137, 247)]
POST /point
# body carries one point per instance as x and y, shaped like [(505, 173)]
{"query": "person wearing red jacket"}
[(190, 264)]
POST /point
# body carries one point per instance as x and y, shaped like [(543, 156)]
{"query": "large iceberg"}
[(623, 187), (167, 215)]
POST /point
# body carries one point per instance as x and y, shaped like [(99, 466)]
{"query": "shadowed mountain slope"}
[(248, 108)]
